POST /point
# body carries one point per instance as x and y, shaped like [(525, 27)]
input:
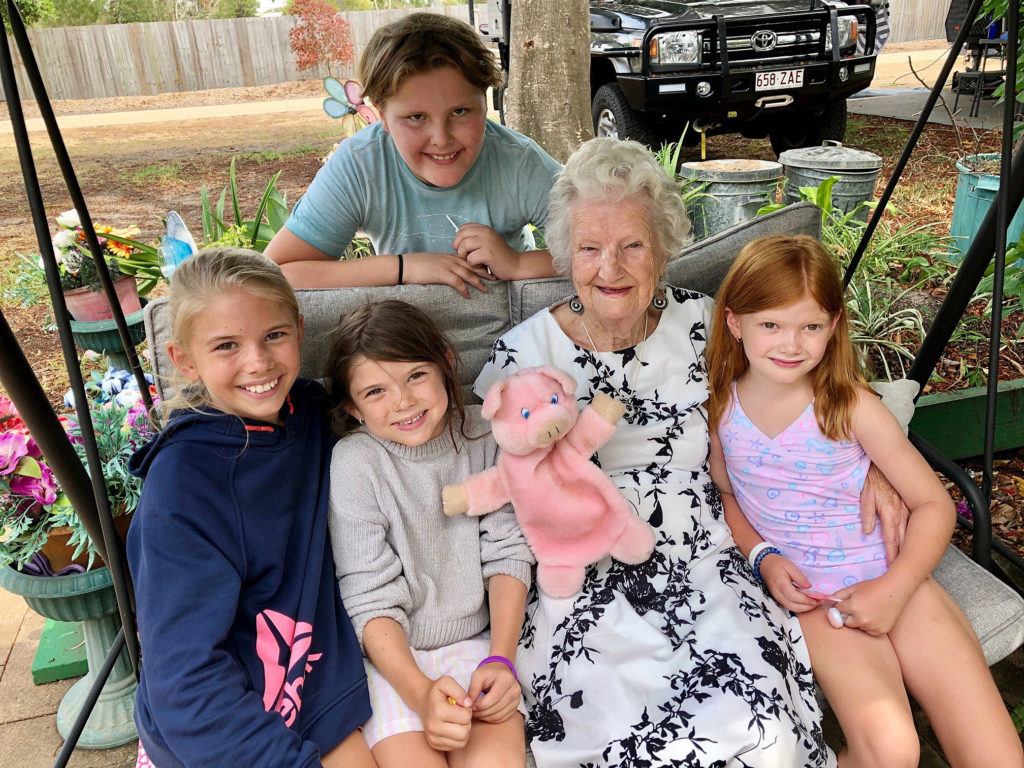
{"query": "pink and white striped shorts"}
[(391, 715)]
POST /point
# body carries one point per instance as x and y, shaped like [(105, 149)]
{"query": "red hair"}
[(773, 272)]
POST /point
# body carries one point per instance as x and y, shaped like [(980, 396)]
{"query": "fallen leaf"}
[(1003, 514)]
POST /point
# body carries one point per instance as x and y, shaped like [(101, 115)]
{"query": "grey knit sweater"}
[(396, 553)]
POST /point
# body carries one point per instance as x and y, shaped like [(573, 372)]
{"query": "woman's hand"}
[(784, 580), (879, 498), (874, 605), (444, 269), (501, 693), (445, 725), (481, 246)]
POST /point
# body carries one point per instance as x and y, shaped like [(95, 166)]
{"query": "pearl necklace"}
[(627, 396)]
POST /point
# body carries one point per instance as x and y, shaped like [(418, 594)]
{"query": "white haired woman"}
[(682, 660)]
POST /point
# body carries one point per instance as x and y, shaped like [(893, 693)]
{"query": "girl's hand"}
[(502, 693), (482, 246), (874, 605), (446, 725), (784, 580), (443, 269)]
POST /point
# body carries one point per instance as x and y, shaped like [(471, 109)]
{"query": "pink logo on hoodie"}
[(283, 647)]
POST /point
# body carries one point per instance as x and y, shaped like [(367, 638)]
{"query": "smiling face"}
[(245, 350), (404, 402), (615, 266), (437, 121), (783, 344)]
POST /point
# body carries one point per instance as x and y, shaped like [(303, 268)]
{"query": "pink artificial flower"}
[(13, 447), (43, 489)]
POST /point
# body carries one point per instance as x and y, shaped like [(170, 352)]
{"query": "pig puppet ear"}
[(492, 402), (565, 381)]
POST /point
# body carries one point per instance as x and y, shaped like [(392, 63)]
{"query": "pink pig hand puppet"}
[(569, 510)]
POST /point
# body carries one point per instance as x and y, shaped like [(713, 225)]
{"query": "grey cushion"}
[(472, 324), (995, 611)]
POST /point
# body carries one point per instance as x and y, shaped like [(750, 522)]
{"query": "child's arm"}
[(507, 600), (308, 267), (874, 605), (780, 574), (445, 725), (481, 245)]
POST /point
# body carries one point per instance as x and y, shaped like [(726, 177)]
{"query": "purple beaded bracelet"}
[(503, 660)]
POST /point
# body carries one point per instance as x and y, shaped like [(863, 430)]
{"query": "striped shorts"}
[(391, 715)]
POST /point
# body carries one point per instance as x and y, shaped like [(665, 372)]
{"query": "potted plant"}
[(40, 532), (78, 275)]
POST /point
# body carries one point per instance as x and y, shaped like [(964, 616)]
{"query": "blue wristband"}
[(760, 557)]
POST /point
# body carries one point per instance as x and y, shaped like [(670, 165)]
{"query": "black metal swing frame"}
[(88, 495)]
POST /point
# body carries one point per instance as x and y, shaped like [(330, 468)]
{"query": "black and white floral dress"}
[(683, 660)]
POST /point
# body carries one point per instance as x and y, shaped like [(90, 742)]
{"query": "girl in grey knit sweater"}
[(422, 588)]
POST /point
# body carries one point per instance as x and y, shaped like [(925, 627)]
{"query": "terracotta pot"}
[(84, 304), (58, 552)]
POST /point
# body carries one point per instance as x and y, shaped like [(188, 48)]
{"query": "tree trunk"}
[(548, 96)]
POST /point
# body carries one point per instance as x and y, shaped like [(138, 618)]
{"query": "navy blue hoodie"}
[(248, 656)]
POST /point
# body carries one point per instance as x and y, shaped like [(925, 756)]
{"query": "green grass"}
[(270, 155), (24, 285), (162, 173)]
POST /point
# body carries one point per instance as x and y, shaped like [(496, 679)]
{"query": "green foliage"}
[(357, 249), (25, 284), (131, 11), (876, 324), (76, 13), (997, 9), (270, 216), (235, 9), (33, 12)]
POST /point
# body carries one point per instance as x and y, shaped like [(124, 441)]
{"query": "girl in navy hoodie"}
[(249, 658)]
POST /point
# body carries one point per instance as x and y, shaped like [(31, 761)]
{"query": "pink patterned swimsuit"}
[(801, 492)]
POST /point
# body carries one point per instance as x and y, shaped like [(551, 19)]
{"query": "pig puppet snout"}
[(547, 430)]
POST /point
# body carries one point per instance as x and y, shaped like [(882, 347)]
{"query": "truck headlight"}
[(675, 49), (847, 33)]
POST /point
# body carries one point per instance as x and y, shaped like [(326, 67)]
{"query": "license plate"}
[(780, 78)]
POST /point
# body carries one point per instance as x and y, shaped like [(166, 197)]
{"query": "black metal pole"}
[(74, 189), (96, 514), (968, 275), (28, 397), (90, 700), (981, 542), (1002, 222), (908, 149)]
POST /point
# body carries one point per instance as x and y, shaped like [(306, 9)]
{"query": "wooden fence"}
[(140, 59), (917, 20)]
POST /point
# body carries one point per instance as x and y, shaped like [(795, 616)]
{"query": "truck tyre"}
[(615, 118), (809, 131)]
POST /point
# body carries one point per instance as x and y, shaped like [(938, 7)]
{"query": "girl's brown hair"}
[(391, 331), (423, 42), (205, 277), (772, 272)]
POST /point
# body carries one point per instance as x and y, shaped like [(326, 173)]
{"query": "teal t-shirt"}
[(366, 185)]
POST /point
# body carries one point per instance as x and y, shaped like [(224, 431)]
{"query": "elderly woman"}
[(682, 660)]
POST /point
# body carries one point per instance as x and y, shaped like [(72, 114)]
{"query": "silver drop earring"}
[(575, 305)]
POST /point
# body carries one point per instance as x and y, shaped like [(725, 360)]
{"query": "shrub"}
[(320, 37)]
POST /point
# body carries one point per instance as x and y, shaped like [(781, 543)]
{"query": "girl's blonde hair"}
[(772, 272), (423, 42), (202, 279), (390, 331)]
